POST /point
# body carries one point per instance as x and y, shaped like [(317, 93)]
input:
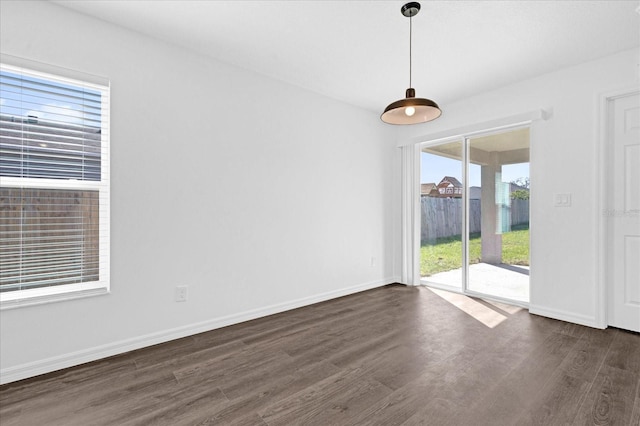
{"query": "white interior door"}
[(623, 212)]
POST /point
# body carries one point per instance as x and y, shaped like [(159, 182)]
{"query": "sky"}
[(433, 168)]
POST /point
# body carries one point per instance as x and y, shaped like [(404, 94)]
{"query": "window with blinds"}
[(54, 183)]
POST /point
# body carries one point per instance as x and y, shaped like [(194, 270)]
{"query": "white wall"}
[(259, 206), (258, 195), (564, 241)]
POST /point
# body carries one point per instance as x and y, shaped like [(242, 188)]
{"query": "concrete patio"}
[(500, 280)]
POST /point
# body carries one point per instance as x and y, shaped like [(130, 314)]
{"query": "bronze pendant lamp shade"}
[(411, 110)]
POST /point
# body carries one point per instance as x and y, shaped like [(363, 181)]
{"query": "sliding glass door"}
[(499, 213), (442, 213), (475, 214)]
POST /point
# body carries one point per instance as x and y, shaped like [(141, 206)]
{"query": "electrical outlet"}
[(373, 261), (181, 293)]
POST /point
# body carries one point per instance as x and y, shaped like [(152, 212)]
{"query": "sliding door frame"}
[(465, 140)]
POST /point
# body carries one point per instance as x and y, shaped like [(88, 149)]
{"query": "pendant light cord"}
[(410, 32)]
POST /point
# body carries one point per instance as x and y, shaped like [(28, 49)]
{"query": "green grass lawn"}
[(446, 253)]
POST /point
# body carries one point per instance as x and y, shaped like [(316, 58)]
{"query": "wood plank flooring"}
[(391, 356)]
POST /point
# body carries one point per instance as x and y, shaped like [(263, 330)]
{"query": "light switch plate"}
[(563, 200)]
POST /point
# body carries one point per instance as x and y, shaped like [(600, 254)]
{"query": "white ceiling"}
[(358, 51)]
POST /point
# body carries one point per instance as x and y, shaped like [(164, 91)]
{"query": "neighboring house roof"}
[(450, 180), (475, 192), (49, 149), (427, 188), (450, 187)]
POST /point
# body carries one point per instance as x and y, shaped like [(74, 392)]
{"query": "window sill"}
[(9, 302)]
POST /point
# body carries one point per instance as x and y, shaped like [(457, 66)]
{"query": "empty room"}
[(319, 212)]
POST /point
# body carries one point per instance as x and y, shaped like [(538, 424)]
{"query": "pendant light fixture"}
[(411, 110)]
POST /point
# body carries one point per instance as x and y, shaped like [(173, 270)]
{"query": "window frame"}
[(41, 295)]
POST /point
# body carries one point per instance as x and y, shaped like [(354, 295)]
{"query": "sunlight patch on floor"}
[(510, 309), (477, 310)]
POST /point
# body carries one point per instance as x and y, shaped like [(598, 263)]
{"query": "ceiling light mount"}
[(410, 9), (411, 110)]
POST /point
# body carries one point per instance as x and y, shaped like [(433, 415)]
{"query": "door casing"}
[(602, 179)]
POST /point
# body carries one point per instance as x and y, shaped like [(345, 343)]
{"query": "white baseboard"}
[(589, 321), (31, 369)]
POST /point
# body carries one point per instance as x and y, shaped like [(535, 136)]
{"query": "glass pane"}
[(49, 129), (48, 237), (499, 215), (442, 215)]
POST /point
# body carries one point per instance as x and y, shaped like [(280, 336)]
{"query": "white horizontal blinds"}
[(49, 237), (49, 129), (54, 189)]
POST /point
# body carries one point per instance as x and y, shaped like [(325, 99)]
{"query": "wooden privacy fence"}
[(442, 217), (519, 212), (48, 237)]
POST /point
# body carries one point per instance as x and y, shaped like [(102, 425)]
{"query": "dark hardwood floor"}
[(391, 356)]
